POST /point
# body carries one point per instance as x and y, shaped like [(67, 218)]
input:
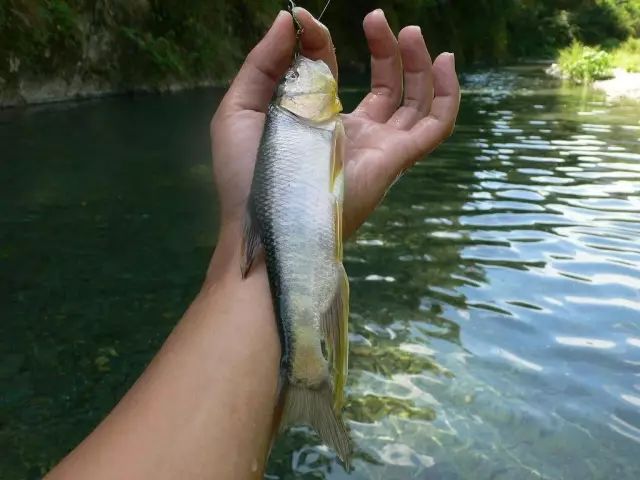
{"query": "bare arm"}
[(204, 407), (205, 403)]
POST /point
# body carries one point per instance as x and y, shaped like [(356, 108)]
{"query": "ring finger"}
[(418, 79)]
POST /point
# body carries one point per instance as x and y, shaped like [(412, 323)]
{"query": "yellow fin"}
[(338, 228), (335, 327), (341, 363), (337, 157), (337, 184)]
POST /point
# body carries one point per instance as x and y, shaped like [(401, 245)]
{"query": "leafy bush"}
[(190, 39), (163, 55), (599, 20), (627, 14), (42, 36), (582, 64)]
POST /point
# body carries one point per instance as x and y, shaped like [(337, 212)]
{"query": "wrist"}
[(225, 260), (224, 279)]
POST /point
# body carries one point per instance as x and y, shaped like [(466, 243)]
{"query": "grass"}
[(627, 55)]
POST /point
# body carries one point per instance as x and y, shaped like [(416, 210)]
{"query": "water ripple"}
[(527, 289), (495, 293)]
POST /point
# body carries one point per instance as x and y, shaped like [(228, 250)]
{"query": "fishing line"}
[(292, 5), (324, 9)]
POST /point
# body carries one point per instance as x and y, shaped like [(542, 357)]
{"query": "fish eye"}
[(293, 75)]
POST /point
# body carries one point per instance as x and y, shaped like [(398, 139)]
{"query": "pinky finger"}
[(433, 129)]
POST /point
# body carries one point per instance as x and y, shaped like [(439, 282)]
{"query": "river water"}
[(495, 326)]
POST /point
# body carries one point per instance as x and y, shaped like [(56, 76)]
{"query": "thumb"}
[(263, 68)]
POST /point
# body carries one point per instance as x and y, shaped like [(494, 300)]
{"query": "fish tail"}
[(313, 406)]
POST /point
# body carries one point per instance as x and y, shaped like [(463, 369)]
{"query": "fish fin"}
[(337, 162), (337, 185), (339, 252), (251, 244), (335, 328), (312, 406), (337, 149)]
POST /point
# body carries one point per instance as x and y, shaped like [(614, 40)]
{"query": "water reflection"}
[(495, 318)]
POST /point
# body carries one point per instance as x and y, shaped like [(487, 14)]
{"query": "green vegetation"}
[(129, 43), (582, 64), (607, 39), (41, 37), (627, 55)]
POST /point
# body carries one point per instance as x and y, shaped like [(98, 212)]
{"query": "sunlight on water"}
[(495, 327)]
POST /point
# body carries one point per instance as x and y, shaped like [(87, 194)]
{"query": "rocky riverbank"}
[(35, 91), (63, 50)]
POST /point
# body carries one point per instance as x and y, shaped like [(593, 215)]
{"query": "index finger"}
[(316, 40), (263, 68)]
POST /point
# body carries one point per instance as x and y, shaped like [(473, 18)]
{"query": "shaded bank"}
[(56, 49)]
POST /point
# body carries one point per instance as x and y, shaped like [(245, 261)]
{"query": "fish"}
[(294, 215)]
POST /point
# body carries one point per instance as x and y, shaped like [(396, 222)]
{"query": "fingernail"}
[(279, 17), (452, 59), (380, 12), (281, 13), (416, 28)]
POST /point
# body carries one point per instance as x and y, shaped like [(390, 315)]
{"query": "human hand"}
[(389, 131)]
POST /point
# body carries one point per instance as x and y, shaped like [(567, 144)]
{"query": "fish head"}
[(309, 90)]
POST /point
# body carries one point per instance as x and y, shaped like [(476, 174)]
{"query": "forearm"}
[(204, 406)]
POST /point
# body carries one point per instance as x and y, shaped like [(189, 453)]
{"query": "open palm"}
[(410, 110)]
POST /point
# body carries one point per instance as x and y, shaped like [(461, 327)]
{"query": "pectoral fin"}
[(337, 185), (337, 162), (338, 229), (251, 244)]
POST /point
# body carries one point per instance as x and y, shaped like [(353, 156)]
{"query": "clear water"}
[(495, 320)]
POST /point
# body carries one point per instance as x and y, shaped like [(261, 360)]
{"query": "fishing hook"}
[(299, 28)]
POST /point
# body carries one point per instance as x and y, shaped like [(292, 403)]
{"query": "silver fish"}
[(295, 214)]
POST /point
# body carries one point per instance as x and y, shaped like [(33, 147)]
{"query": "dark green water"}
[(495, 321)]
